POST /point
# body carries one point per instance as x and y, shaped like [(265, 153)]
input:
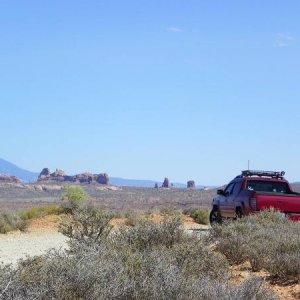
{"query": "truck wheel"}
[(239, 214), (215, 216)]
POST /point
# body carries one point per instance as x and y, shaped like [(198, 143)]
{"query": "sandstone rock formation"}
[(60, 176), (166, 183), (103, 178), (45, 172), (191, 184), (84, 178), (9, 179), (58, 173)]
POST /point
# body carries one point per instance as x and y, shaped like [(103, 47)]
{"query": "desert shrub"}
[(200, 216), (232, 240), (40, 211), (252, 288), (10, 222), (87, 224), (73, 197), (147, 234), (170, 212), (193, 257), (131, 219), (269, 215), (104, 272), (267, 240)]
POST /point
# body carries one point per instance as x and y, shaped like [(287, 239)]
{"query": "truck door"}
[(231, 199), (225, 206)]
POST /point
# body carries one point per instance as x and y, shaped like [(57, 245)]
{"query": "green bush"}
[(200, 215), (73, 198)]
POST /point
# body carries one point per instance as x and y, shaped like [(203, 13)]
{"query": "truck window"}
[(229, 189), (268, 186), (237, 188)]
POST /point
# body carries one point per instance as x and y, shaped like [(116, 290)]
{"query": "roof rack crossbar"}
[(272, 174)]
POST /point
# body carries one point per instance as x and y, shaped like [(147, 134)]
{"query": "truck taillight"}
[(253, 203)]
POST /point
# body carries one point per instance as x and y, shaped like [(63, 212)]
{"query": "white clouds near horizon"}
[(175, 29), (284, 40)]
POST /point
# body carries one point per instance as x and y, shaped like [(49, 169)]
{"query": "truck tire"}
[(239, 214), (215, 216)]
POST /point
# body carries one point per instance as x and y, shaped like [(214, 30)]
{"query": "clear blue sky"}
[(148, 89)]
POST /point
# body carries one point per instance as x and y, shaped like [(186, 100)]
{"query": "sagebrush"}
[(267, 240)]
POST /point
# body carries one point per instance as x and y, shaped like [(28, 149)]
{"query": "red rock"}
[(191, 184), (9, 179), (103, 178), (166, 183)]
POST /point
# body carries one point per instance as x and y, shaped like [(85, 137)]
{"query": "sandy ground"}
[(41, 236)]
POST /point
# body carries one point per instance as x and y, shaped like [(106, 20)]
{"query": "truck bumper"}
[(293, 216)]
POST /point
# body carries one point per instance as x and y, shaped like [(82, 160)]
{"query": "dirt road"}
[(41, 236)]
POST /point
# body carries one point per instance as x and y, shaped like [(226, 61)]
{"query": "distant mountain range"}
[(11, 169), (28, 176)]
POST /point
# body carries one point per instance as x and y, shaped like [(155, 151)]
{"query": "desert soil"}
[(41, 236)]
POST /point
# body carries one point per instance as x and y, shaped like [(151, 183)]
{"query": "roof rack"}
[(272, 174)]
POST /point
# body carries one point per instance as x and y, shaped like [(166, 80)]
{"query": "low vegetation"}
[(268, 241), (41, 211), (131, 219), (147, 261), (200, 215), (87, 224), (10, 222), (73, 198)]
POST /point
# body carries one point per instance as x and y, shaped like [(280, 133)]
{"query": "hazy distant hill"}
[(139, 183), (143, 183), (27, 176), (296, 186), (11, 169)]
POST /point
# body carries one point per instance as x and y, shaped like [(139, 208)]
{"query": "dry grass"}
[(36, 212)]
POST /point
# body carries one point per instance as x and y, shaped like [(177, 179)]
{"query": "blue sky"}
[(148, 89)]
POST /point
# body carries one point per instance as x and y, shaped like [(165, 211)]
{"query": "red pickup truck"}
[(253, 191)]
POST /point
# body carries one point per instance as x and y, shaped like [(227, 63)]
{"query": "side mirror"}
[(220, 192)]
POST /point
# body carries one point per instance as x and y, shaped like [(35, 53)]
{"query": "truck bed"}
[(287, 203)]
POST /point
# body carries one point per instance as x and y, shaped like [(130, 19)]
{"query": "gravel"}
[(16, 245)]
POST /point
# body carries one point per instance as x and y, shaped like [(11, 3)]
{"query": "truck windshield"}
[(268, 186)]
